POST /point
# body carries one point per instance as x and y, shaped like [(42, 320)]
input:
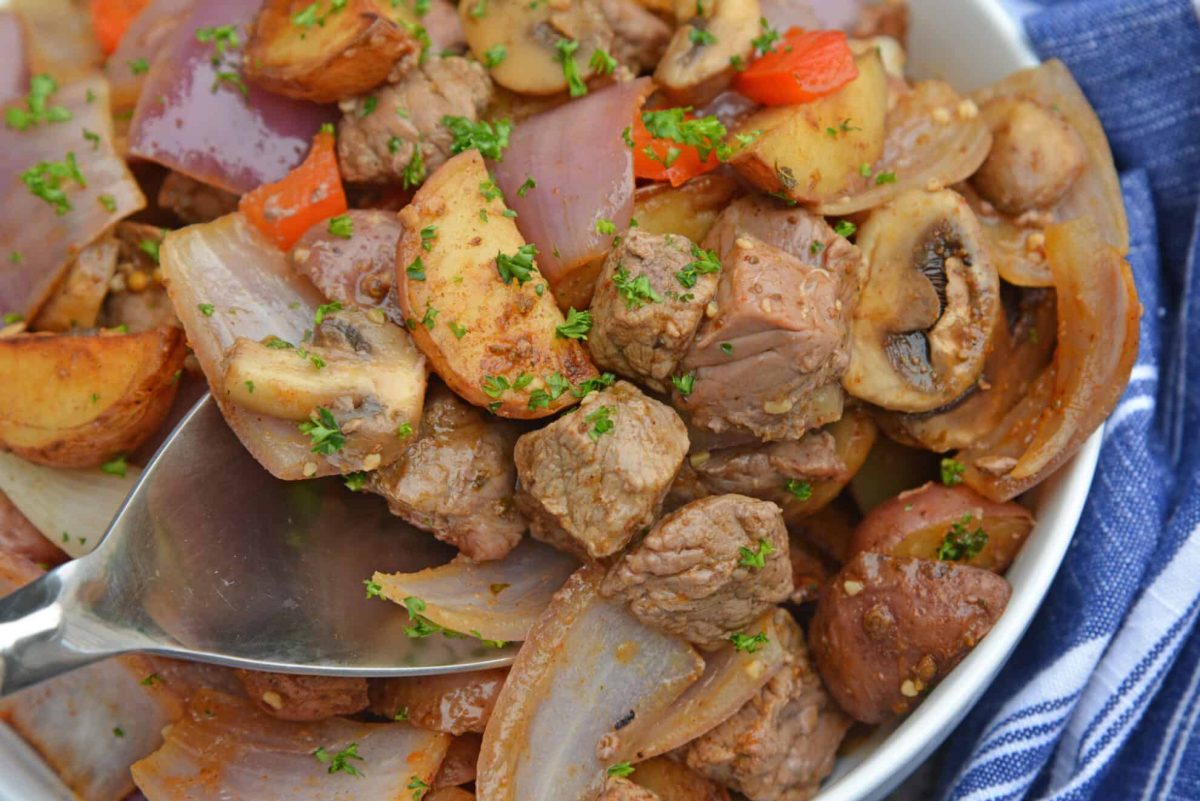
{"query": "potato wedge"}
[(78, 297), (813, 152), (313, 51), (492, 342), (688, 210), (937, 522), (888, 629), (75, 401)]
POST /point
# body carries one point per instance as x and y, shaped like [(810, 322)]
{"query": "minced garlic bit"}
[(273, 699), (698, 458), (711, 309), (967, 110), (1035, 242), (934, 185), (778, 406), (755, 668), (852, 587), (116, 283), (137, 281), (310, 469), (941, 115), (909, 689), (371, 461), (377, 316)]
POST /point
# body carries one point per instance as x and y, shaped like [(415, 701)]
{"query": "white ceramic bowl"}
[(971, 43)]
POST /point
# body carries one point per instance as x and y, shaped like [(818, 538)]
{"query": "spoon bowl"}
[(213, 559)]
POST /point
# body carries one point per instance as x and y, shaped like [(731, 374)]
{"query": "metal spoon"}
[(212, 559)]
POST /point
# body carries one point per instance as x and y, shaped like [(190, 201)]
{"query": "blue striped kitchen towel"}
[(1102, 698)]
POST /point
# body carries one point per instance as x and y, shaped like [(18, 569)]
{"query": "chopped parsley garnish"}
[(802, 490), (369, 104), (139, 66), (737, 62), (37, 109), (13, 317), (605, 227), (577, 325), (116, 466), (404, 430), (845, 228), (414, 171), (864, 170), (489, 138), (593, 385), (355, 482), (684, 384), (621, 769), (636, 291), (326, 309), (249, 386), (961, 544), (756, 559), (324, 431), (92, 137), (221, 37), (394, 144), (207, 310), (374, 589), (495, 385), (566, 56), (602, 63), (231, 79), (479, 9), (601, 421), (15, 256), (418, 786), (705, 262), (494, 56), (490, 190), (151, 680), (747, 644), (118, 731), (523, 190), (522, 380), (765, 42), (701, 37), (727, 348), (706, 134), (45, 180), (520, 265), (428, 234), (341, 226), (459, 331), (108, 202), (339, 762), (308, 17), (952, 472), (843, 127), (416, 270), (885, 178), (149, 247), (430, 317), (816, 247)]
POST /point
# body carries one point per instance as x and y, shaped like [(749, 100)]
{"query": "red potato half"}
[(494, 343), (887, 629), (919, 522)]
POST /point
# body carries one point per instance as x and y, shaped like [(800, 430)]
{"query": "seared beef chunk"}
[(457, 478), (618, 789), (596, 476), (643, 330), (639, 37), (708, 570), (379, 133), (763, 471), (782, 743), (195, 202), (769, 360), (360, 270), (304, 697)]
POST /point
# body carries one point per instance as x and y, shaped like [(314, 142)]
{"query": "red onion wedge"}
[(931, 139), (150, 33), (500, 600), (226, 280), (14, 77), (224, 747), (1098, 313), (588, 667), (731, 678), (202, 119), (40, 238), (583, 172), (60, 39), (1095, 195)]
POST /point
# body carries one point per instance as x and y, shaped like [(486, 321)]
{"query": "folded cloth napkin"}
[(1101, 700)]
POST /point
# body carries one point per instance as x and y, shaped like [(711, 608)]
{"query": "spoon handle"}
[(39, 641)]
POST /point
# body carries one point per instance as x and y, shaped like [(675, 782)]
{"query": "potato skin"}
[(688, 210), (77, 401), (352, 53), (887, 629), (915, 523), (509, 328)]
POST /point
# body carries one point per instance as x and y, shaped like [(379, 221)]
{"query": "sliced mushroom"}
[(699, 62), (530, 33), (1036, 156), (363, 369), (921, 329)]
